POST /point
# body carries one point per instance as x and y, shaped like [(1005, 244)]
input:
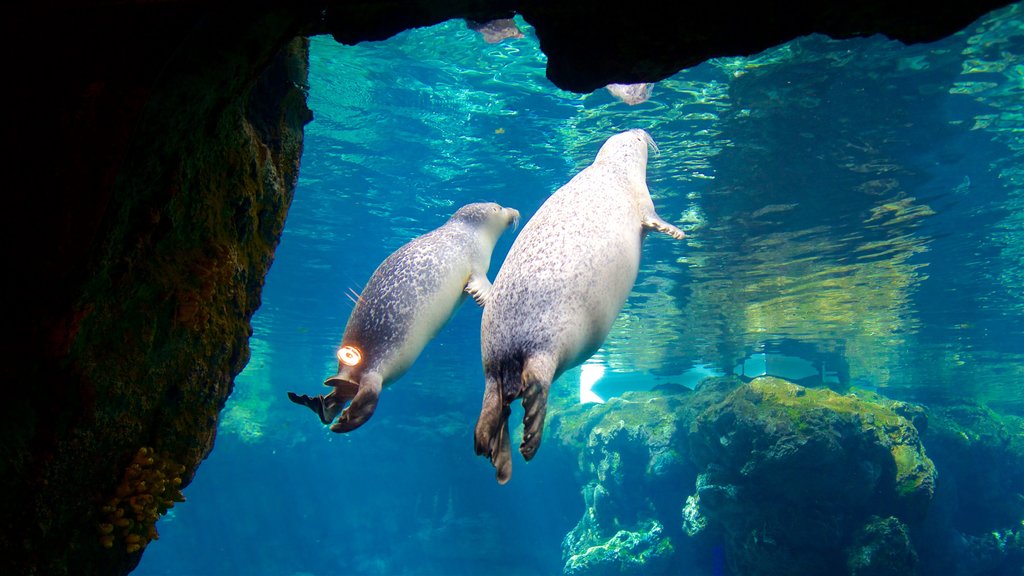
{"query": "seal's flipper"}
[(328, 406), (491, 437), (488, 424), (654, 222), (314, 403), (363, 404), (538, 372), (501, 457), (479, 287)]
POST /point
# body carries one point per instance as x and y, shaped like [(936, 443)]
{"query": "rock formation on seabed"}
[(807, 481), (781, 478), (976, 525)]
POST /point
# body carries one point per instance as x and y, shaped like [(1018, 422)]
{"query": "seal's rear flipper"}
[(314, 403), (501, 458), (538, 371), (491, 434)]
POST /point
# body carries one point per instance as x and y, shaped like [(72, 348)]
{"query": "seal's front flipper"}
[(479, 287), (654, 222), (363, 403), (328, 406), (538, 372), (314, 403)]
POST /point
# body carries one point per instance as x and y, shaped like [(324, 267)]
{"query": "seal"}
[(494, 31), (564, 281), (407, 301), (631, 94)]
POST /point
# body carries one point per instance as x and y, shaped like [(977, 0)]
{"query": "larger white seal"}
[(561, 286), (407, 301)]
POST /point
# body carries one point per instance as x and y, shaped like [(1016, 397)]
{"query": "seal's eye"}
[(349, 355)]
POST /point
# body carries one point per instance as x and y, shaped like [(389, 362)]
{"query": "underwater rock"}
[(613, 43), (980, 456), (790, 474), (640, 551), (976, 524), (169, 154), (881, 547), (633, 460)]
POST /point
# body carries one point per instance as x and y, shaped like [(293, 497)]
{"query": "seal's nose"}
[(513, 217)]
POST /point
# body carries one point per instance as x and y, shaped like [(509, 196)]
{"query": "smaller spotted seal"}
[(407, 301), (561, 286)]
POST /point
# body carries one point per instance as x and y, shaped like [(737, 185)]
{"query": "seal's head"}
[(490, 217), (627, 150)]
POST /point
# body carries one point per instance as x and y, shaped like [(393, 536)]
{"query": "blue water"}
[(853, 203)]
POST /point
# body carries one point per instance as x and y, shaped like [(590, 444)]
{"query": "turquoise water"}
[(854, 206)]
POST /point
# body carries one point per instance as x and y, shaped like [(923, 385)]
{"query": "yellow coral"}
[(150, 487)]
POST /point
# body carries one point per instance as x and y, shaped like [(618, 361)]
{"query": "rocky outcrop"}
[(634, 463), (882, 547), (976, 526), (155, 147), (787, 479), (792, 476), (161, 161), (610, 42)]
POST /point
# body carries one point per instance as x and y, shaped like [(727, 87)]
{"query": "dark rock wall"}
[(151, 150), (158, 160), (596, 43)]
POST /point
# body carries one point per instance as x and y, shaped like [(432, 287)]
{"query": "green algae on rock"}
[(790, 474)]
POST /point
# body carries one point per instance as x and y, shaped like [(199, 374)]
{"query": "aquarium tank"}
[(825, 377)]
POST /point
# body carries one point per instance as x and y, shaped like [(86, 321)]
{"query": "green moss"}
[(798, 405)]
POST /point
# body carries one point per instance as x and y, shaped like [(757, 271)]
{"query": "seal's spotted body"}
[(407, 301), (561, 286)]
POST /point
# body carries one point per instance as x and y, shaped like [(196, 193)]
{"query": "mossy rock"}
[(789, 473), (980, 456)]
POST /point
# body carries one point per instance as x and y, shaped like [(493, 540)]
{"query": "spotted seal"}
[(407, 301), (564, 281)]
